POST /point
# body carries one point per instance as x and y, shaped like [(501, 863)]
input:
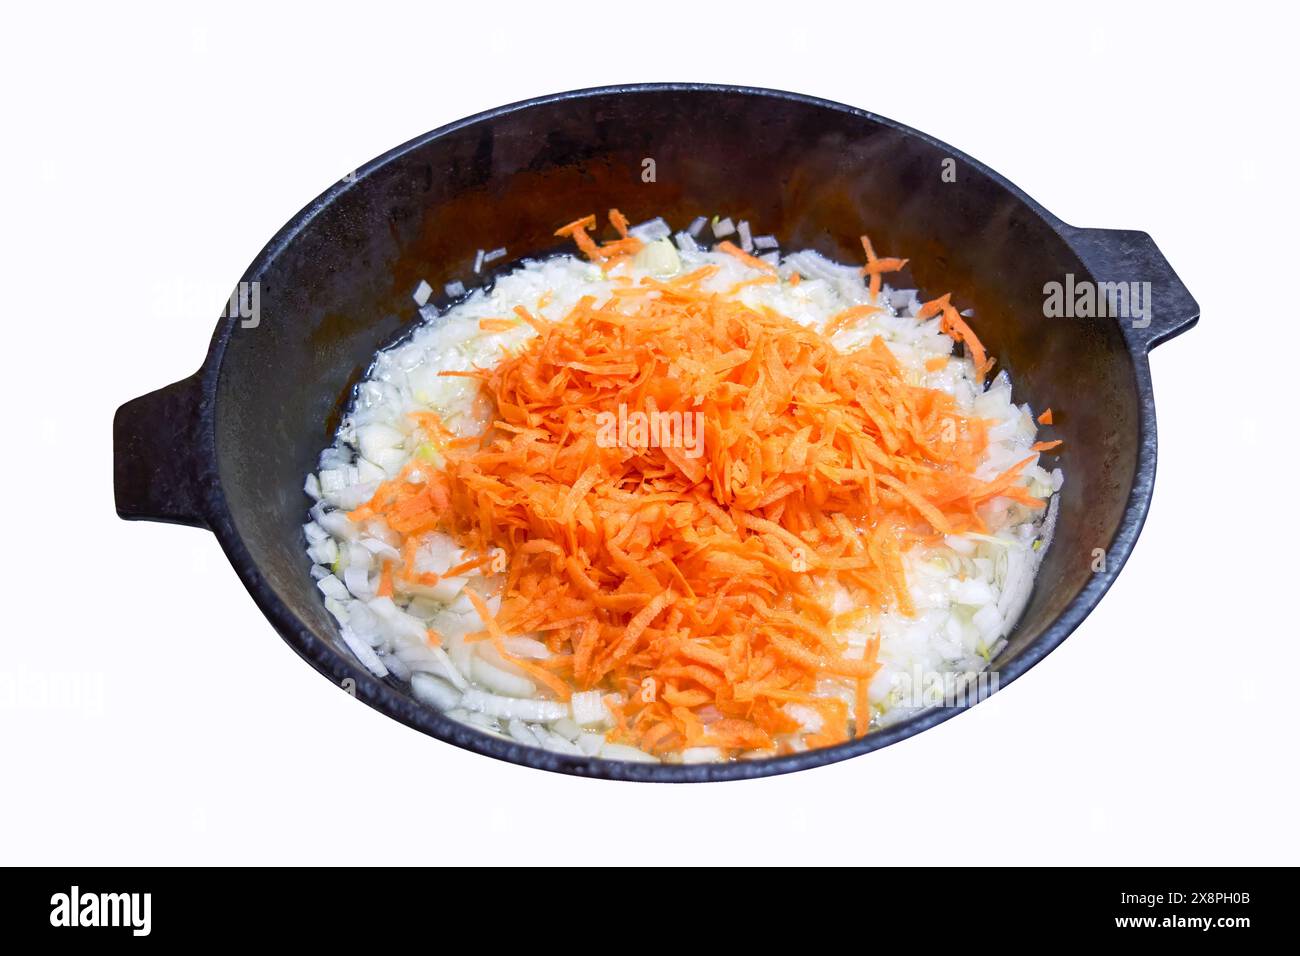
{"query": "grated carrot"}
[(610, 252), (955, 327), (731, 249), (619, 222), (691, 589), (876, 266), (848, 317)]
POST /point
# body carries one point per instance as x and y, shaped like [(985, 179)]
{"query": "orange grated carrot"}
[(611, 252), (848, 317), (876, 266), (957, 328), (467, 566), (578, 225), (619, 222), (685, 582), (488, 618), (731, 249)]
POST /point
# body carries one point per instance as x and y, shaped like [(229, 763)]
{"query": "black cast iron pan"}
[(228, 447)]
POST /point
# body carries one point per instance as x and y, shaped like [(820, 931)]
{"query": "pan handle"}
[(1162, 305), (156, 473)]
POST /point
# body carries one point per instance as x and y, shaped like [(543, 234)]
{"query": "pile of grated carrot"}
[(694, 591)]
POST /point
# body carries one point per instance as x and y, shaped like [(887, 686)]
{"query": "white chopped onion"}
[(659, 258), (589, 708), (332, 587), (622, 752), (364, 653), (449, 670), (521, 732), (357, 578), (526, 647), (326, 552), (651, 231), (434, 691), (494, 705), (501, 681), (701, 755)]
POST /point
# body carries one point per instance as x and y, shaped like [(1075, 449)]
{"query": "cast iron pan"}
[(228, 448)]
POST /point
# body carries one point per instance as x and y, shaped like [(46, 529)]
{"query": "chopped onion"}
[(398, 622), (382, 548), (332, 587), (701, 755), (526, 647), (494, 705), (501, 681), (523, 733), (357, 578), (651, 231), (621, 752), (364, 653), (338, 524), (434, 691), (589, 708)]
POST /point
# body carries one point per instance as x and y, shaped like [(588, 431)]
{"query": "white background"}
[(149, 153)]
